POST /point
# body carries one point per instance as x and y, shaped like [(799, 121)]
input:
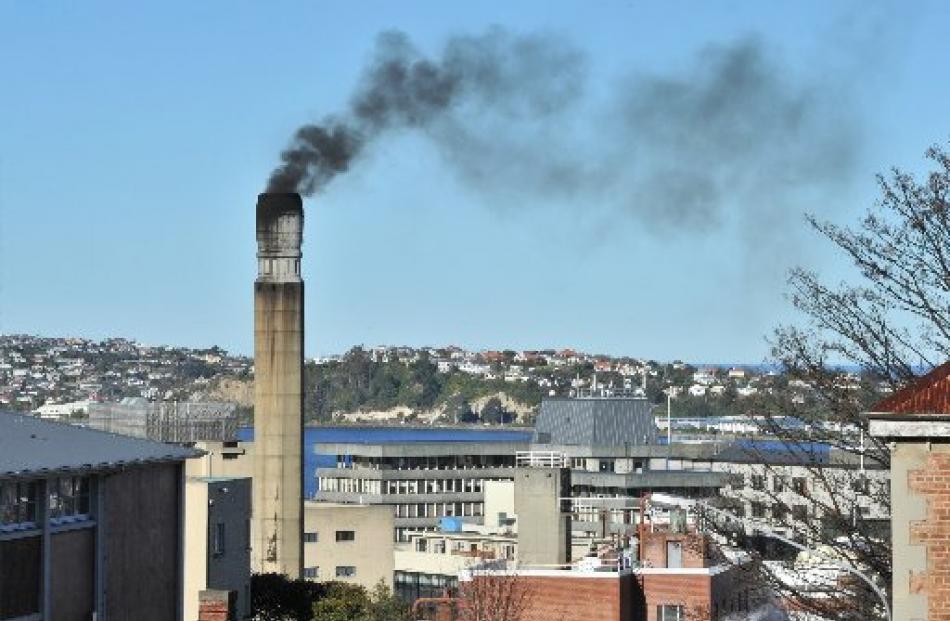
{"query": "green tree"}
[(341, 602), (383, 605)]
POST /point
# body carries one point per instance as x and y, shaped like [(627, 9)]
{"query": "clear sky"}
[(133, 142)]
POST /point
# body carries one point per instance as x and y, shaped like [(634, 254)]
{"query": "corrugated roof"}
[(29, 445), (928, 394)]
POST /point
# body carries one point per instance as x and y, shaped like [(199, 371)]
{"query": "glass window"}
[(345, 535), (758, 482), (345, 571), (217, 539), (68, 498), (311, 573), (18, 504), (311, 537), (670, 612)]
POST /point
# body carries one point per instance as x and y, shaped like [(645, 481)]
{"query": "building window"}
[(311, 573), (18, 504), (422, 545), (68, 498), (674, 554), (758, 510), (860, 485), (779, 511), (758, 482), (311, 537), (778, 485), (346, 535), (345, 571), (800, 485), (800, 513), (217, 539), (670, 612)]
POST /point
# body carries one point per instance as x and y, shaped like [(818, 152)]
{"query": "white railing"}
[(541, 459)]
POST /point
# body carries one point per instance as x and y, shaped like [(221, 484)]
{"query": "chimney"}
[(277, 528)]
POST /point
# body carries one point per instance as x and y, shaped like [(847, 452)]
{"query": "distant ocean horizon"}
[(384, 435)]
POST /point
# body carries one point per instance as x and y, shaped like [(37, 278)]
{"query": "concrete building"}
[(544, 519), (278, 387), (349, 543), (422, 482), (217, 541), (91, 524), (916, 423)]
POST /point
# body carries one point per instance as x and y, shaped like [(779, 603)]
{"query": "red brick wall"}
[(653, 548), (579, 598), (214, 605), (933, 483), (692, 592)]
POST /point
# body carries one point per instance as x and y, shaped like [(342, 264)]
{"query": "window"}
[(670, 612), (779, 511), (800, 513), (778, 484), (311, 537), (758, 510), (345, 571), (345, 535), (860, 485), (422, 545), (758, 482), (68, 498), (674, 554), (800, 485), (217, 541), (18, 504), (311, 573)]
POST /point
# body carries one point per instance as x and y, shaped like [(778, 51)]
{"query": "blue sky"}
[(133, 142)]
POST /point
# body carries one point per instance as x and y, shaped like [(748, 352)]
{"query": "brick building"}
[(678, 576), (916, 422)]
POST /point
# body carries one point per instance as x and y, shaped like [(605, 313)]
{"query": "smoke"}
[(734, 135)]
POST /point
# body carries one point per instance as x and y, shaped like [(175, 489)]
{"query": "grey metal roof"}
[(595, 421), (32, 446)]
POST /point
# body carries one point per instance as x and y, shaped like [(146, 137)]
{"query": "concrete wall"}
[(370, 552), (499, 498), (229, 502), (140, 527), (544, 531), (196, 544), (209, 502), (278, 427)]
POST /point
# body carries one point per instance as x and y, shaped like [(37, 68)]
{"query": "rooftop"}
[(929, 394), (30, 445)]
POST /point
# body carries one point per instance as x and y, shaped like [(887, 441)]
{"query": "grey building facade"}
[(91, 524)]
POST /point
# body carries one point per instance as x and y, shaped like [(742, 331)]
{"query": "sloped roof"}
[(929, 394), (30, 445)]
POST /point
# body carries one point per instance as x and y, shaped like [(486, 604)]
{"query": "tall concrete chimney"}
[(277, 529)]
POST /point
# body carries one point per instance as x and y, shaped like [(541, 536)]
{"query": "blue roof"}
[(32, 446)]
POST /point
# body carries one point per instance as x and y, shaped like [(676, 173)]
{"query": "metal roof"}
[(32, 446)]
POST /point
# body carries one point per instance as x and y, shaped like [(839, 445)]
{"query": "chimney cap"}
[(273, 204)]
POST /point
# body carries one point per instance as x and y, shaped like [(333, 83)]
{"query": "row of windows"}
[(68, 500), (341, 536), (342, 571), (440, 509)]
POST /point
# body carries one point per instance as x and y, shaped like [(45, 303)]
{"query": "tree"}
[(889, 326), (383, 605), (494, 412), (494, 595), (274, 597)]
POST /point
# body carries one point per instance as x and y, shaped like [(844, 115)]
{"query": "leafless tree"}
[(495, 595), (891, 325)]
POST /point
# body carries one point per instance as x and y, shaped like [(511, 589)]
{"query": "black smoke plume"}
[(733, 133)]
